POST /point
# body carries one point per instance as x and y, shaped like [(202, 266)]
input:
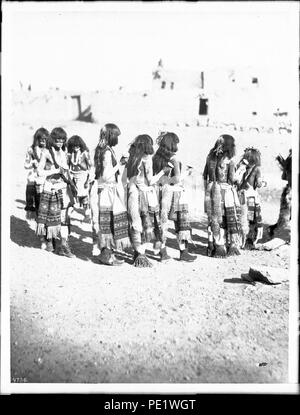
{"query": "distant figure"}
[(29, 87), (172, 85), (203, 105), (281, 229), (157, 72), (221, 200), (156, 75)]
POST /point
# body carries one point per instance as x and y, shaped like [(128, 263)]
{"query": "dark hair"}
[(141, 146), (109, 135), (40, 133), (167, 148), (58, 133), (74, 141), (252, 155), (225, 146), (108, 138), (286, 167)]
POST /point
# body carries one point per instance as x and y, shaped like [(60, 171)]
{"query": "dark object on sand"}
[(266, 275), (85, 115)]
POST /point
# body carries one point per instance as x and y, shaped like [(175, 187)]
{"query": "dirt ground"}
[(74, 320)]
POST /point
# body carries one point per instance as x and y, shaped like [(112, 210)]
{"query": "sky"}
[(93, 46)]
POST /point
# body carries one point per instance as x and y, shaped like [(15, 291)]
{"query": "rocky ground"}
[(73, 320)]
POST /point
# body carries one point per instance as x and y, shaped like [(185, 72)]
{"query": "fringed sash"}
[(223, 208), (113, 221), (143, 209), (49, 214), (80, 178), (251, 207), (232, 210), (174, 207)]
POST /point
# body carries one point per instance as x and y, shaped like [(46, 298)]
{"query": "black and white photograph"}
[(149, 203)]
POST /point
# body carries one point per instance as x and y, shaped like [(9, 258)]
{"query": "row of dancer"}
[(121, 217), (232, 201), (130, 201), (40, 160)]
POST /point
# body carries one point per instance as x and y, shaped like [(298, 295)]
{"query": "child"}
[(143, 207), (171, 195), (221, 200), (79, 165), (32, 160), (109, 215), (57, 198), (248, 176)]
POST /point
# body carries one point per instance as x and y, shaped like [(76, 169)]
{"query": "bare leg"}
[(259, 235), (139, 259), (234, 245), (210, 247), (219, 245)]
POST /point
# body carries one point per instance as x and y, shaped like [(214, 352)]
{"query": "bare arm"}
[(69, 158), (108, 169), (239, 173), (29, 160), (205, 174), (147, 162), (42, 164), (88, 160), (176, 178), (258, 182), (231, 172), (89, 165)]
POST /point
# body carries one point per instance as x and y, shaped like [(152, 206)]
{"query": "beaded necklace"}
[(75, 157)]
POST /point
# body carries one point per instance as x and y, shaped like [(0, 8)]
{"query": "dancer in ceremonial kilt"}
[(57, 198), (80, 165), (109, 215), (171, 195), (221, 200), (34, 181), (248, 176), (143, 206)]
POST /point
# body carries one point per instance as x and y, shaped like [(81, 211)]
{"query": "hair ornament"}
[(250, 149), (159, 139)]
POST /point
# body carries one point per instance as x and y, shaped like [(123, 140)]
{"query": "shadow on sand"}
[(199, 246), (24, 236), (238, 281), (22, 202)]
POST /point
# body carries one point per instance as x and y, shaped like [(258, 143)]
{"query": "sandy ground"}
[(74, 320)]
